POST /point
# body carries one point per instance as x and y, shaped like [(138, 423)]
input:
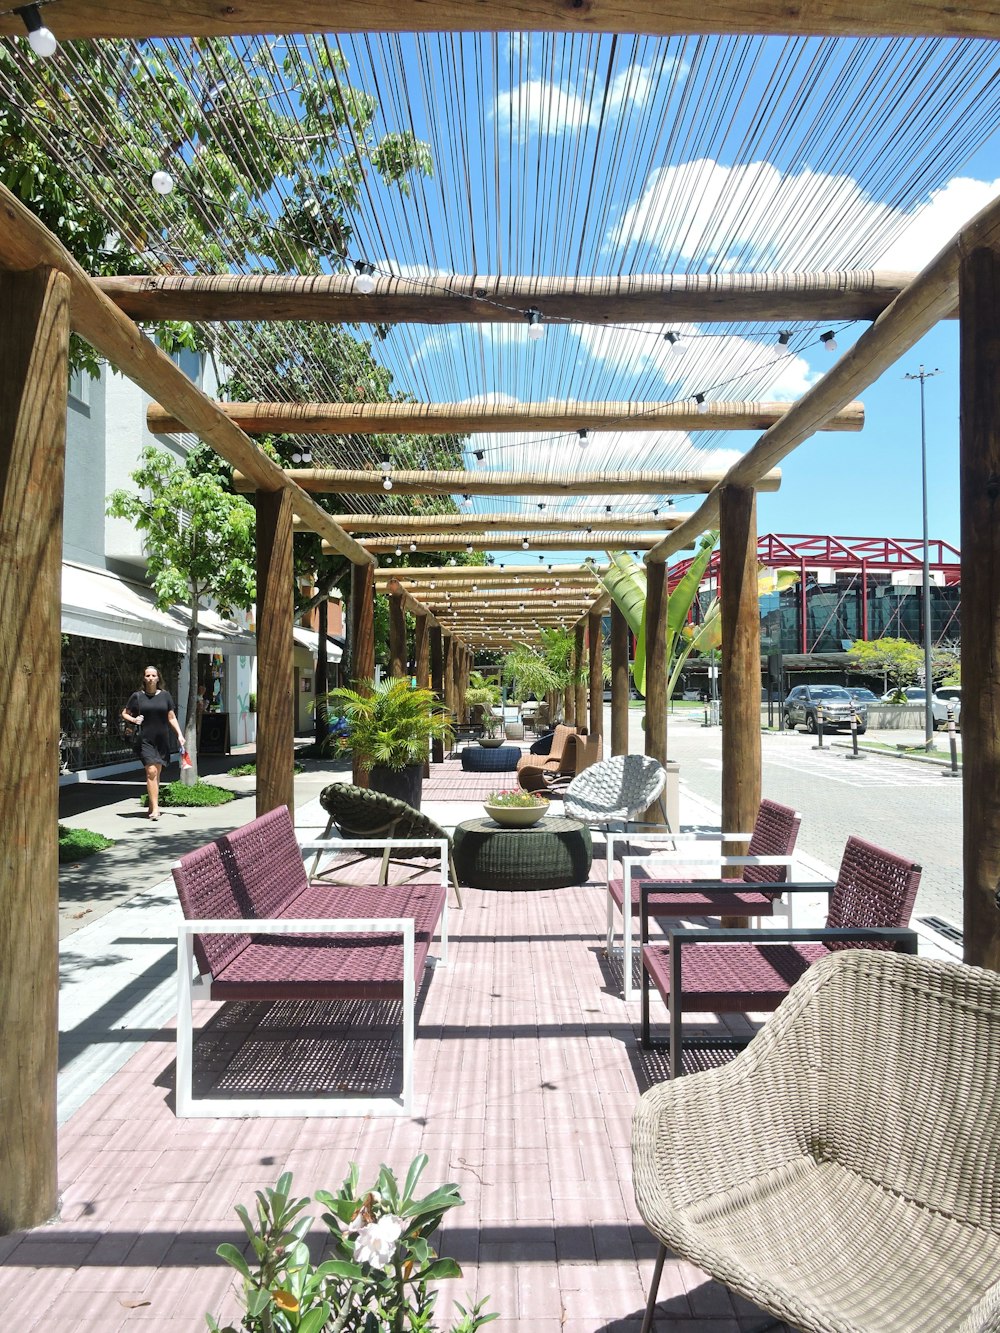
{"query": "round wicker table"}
[(550, 855)]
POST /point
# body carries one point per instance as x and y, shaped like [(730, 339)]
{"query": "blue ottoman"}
[(493, 759)]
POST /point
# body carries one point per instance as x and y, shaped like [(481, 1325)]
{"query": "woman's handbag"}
[(132, 733)]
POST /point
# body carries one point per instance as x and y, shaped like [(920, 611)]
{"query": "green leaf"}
[(415, 1171), (234, 1258), (441, 1268), (315, 1319)]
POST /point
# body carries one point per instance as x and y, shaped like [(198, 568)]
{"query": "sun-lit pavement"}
[(527, 1070)]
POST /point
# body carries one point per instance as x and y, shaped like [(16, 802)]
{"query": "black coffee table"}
[(552, 854)]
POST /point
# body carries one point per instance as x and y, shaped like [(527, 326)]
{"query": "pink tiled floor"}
[(527, 1071)]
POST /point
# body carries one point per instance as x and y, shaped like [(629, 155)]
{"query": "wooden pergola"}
[(44, 295)]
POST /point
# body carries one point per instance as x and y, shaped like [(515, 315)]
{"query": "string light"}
[(386, 469), (364, 282), (413, 546), (452, 561), (702, 406), (525, 544), (467, 502), (162, 182), (675, 342), (583, 436), (479, 455), (784, 337), (468, 547), (536, 329), (829, 340), (40, 39)]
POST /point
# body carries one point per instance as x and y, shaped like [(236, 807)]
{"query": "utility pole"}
[(923, 375)]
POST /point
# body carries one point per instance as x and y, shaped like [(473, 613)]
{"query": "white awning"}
[(100, 605), (308, 638)]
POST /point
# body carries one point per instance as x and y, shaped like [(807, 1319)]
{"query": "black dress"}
[(156, 731)]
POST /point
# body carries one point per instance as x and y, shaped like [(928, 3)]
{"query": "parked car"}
[(916, 694), (861, 695), (838, 707)]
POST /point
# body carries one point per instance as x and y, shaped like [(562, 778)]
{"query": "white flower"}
[(376, 1242)]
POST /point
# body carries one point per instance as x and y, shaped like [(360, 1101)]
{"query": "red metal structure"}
[(860, 571)]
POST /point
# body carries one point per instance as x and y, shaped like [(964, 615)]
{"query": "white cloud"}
[(929, 230), (754, 216), (539, 106), (741, 367)]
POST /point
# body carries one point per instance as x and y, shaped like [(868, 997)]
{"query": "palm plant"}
[(389, 724)]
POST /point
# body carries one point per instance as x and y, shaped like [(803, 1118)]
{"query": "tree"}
[(199, 542), (897, 661)]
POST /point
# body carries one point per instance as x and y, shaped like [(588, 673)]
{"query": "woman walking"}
[(151, 709)]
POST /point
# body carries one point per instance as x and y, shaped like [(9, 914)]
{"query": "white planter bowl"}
[(517, 816)]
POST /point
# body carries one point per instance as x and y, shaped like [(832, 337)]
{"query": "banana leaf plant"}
[(625, 580)]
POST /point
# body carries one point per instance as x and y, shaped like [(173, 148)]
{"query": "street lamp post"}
[(923, 375)]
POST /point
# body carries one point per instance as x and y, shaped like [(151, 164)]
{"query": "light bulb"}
[(525, 544), (784, 337), (41, 41), (479, 455), (296, 458), (413, 546), (452, 561), (399, 550), (699, 398), (466, 502), (468, 547), (364, 282), (387, 483), (584, 437), (536, 329), (676, 343), (162, 182), (307, 457), (828, 340)]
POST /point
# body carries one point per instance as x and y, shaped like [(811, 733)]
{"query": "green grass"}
[(76, 843), (250, 770), (201, 793)]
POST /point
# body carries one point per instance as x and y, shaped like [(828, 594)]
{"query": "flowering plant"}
[(516, 798), (376, 1274)]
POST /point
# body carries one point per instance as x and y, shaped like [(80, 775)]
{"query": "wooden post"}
[(465, 666), (979, 316), (448, 671), (34, 339), (579, 686), (397, 636), (656, 671), (740, 615), (596, 644), (362, 640), (436, 655), (421, 652), (275, 619), (619, 682)]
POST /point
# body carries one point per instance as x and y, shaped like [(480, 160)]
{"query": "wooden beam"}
[(34, 343), (595, 643), (656, 672), (365, 481), (931, 295), (437, 683), (397, 636), (362, 664), (465, 418), (275, 620), (740, 675), (979, 471), (655, 298), (197, 18), (25, 243), (620, 681), (407, 525), (416, 575)]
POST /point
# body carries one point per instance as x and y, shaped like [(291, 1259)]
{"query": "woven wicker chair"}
[(729, 971), (616, 790), (547, 762), (359, 813), (690, 883), (838, 1172)]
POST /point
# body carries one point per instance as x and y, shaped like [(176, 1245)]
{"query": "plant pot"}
[(405, 784), (491, 742), (516, 816)]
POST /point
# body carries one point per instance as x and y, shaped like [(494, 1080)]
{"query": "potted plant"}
[(515, 808), (481, 698), (389, 728)]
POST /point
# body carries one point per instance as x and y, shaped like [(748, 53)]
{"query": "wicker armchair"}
[(838, 1172), (358, 813), (616, 790)]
